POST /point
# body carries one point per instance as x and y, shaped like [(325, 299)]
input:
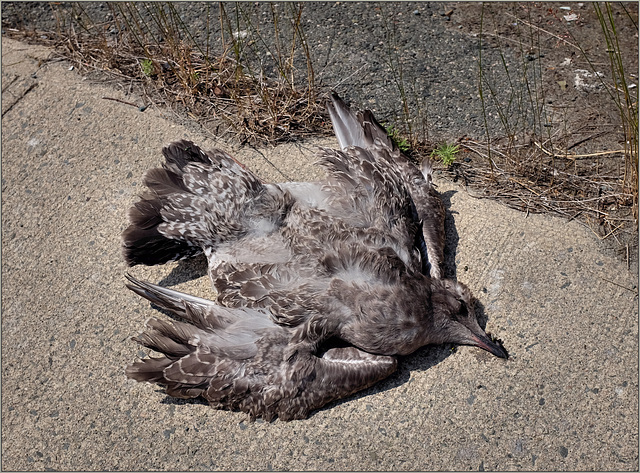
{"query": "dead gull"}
[(320, 285)]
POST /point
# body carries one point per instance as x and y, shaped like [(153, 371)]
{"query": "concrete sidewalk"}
[(71, 166)]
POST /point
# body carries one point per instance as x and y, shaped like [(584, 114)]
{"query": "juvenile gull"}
[(320, 285)]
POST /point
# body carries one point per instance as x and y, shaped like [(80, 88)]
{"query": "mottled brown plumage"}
[(361, 129), (235, 359), (298, 267)]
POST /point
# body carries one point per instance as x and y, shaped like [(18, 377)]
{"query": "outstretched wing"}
[(369, 196), (237, 359), (198, 200), (361, 129)]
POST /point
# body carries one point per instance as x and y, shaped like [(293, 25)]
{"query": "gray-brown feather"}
[(363, 130), (236, 359), (195, 202), (356, 258)]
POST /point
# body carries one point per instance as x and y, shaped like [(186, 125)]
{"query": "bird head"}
[(455, 320)]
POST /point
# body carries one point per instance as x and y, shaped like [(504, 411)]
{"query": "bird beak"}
[(484, 342)]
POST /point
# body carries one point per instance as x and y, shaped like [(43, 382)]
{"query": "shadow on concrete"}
[(451, 236), (186, 270)]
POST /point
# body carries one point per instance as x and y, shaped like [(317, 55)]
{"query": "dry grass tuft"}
[(146, 47), (545, 160), (538, 181)]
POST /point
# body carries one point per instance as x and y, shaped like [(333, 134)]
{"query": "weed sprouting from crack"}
[(446, 153), (401, 142)]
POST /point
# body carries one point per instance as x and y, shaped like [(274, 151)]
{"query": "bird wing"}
[(198, 201), (201, 313), (365, 191), (237, 359), (361, 129), (337, 373), (355, 128)]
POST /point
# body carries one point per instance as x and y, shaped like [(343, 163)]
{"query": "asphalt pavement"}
[(72, 161)]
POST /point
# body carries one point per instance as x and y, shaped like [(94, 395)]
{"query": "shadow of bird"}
[(321, 285)]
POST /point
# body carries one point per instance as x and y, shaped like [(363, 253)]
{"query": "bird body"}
[(320, 285)]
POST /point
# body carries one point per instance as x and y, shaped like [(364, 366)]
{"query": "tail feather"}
[(162, 344), (180, 333), (163, 182), (149, 369), (204, 314), (197, 368), (170, 299), (143, 241), (346, 126), (196, 200), (185, 392), (149, 247), (373, 130), (181, 153), (228, 329), (145, 214)]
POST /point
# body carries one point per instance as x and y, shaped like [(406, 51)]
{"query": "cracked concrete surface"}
[(71, 166)]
